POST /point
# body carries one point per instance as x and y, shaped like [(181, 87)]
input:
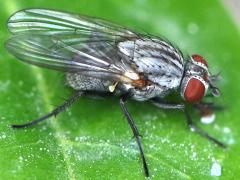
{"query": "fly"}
[(105, 59)]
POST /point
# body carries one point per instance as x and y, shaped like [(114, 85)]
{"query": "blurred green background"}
[(92, 139)]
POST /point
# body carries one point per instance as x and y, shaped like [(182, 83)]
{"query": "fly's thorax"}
[(152, 56), (158, 61), (195, 81)]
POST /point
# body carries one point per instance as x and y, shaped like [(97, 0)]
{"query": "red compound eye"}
[(194, 91), (200, 59)]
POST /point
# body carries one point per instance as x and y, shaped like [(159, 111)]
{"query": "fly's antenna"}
[(214, 90), (215, 77)]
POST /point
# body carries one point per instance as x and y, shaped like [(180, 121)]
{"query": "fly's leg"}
[(207, 108), (54, 113), (135, 133), (194, 128), (97, 95), (164, 105), (190, 122)]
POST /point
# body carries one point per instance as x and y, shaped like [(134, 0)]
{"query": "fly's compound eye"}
[(194, 90), (197, 59)]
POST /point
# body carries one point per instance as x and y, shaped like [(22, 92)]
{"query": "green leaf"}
[(92, 140)]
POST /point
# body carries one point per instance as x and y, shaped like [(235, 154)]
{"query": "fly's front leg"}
[(194, 128), (190, 122), (136, 134), (163, 105), (207, 108)]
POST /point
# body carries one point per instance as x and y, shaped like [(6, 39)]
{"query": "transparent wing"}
[(50, 22), (88, 57), (69, 42)]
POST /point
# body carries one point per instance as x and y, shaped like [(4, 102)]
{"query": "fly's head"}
[(197, 80)]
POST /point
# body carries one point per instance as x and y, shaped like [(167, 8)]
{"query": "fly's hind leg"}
[(55, 112)]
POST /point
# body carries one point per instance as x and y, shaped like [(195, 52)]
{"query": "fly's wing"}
[(69, 42), (50, 22)]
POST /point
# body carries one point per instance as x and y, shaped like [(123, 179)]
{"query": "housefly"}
[(102, 58)]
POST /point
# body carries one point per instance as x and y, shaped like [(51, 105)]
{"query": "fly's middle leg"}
[(135, 131)]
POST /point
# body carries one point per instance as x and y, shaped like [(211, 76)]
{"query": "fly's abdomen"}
[(85, 83)]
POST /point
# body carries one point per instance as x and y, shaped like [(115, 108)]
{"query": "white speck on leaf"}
[(20, 158), (208, 119), (216, 169), (3, 136), (194, 155), (228, 137), (192, 129), (226, 130)]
